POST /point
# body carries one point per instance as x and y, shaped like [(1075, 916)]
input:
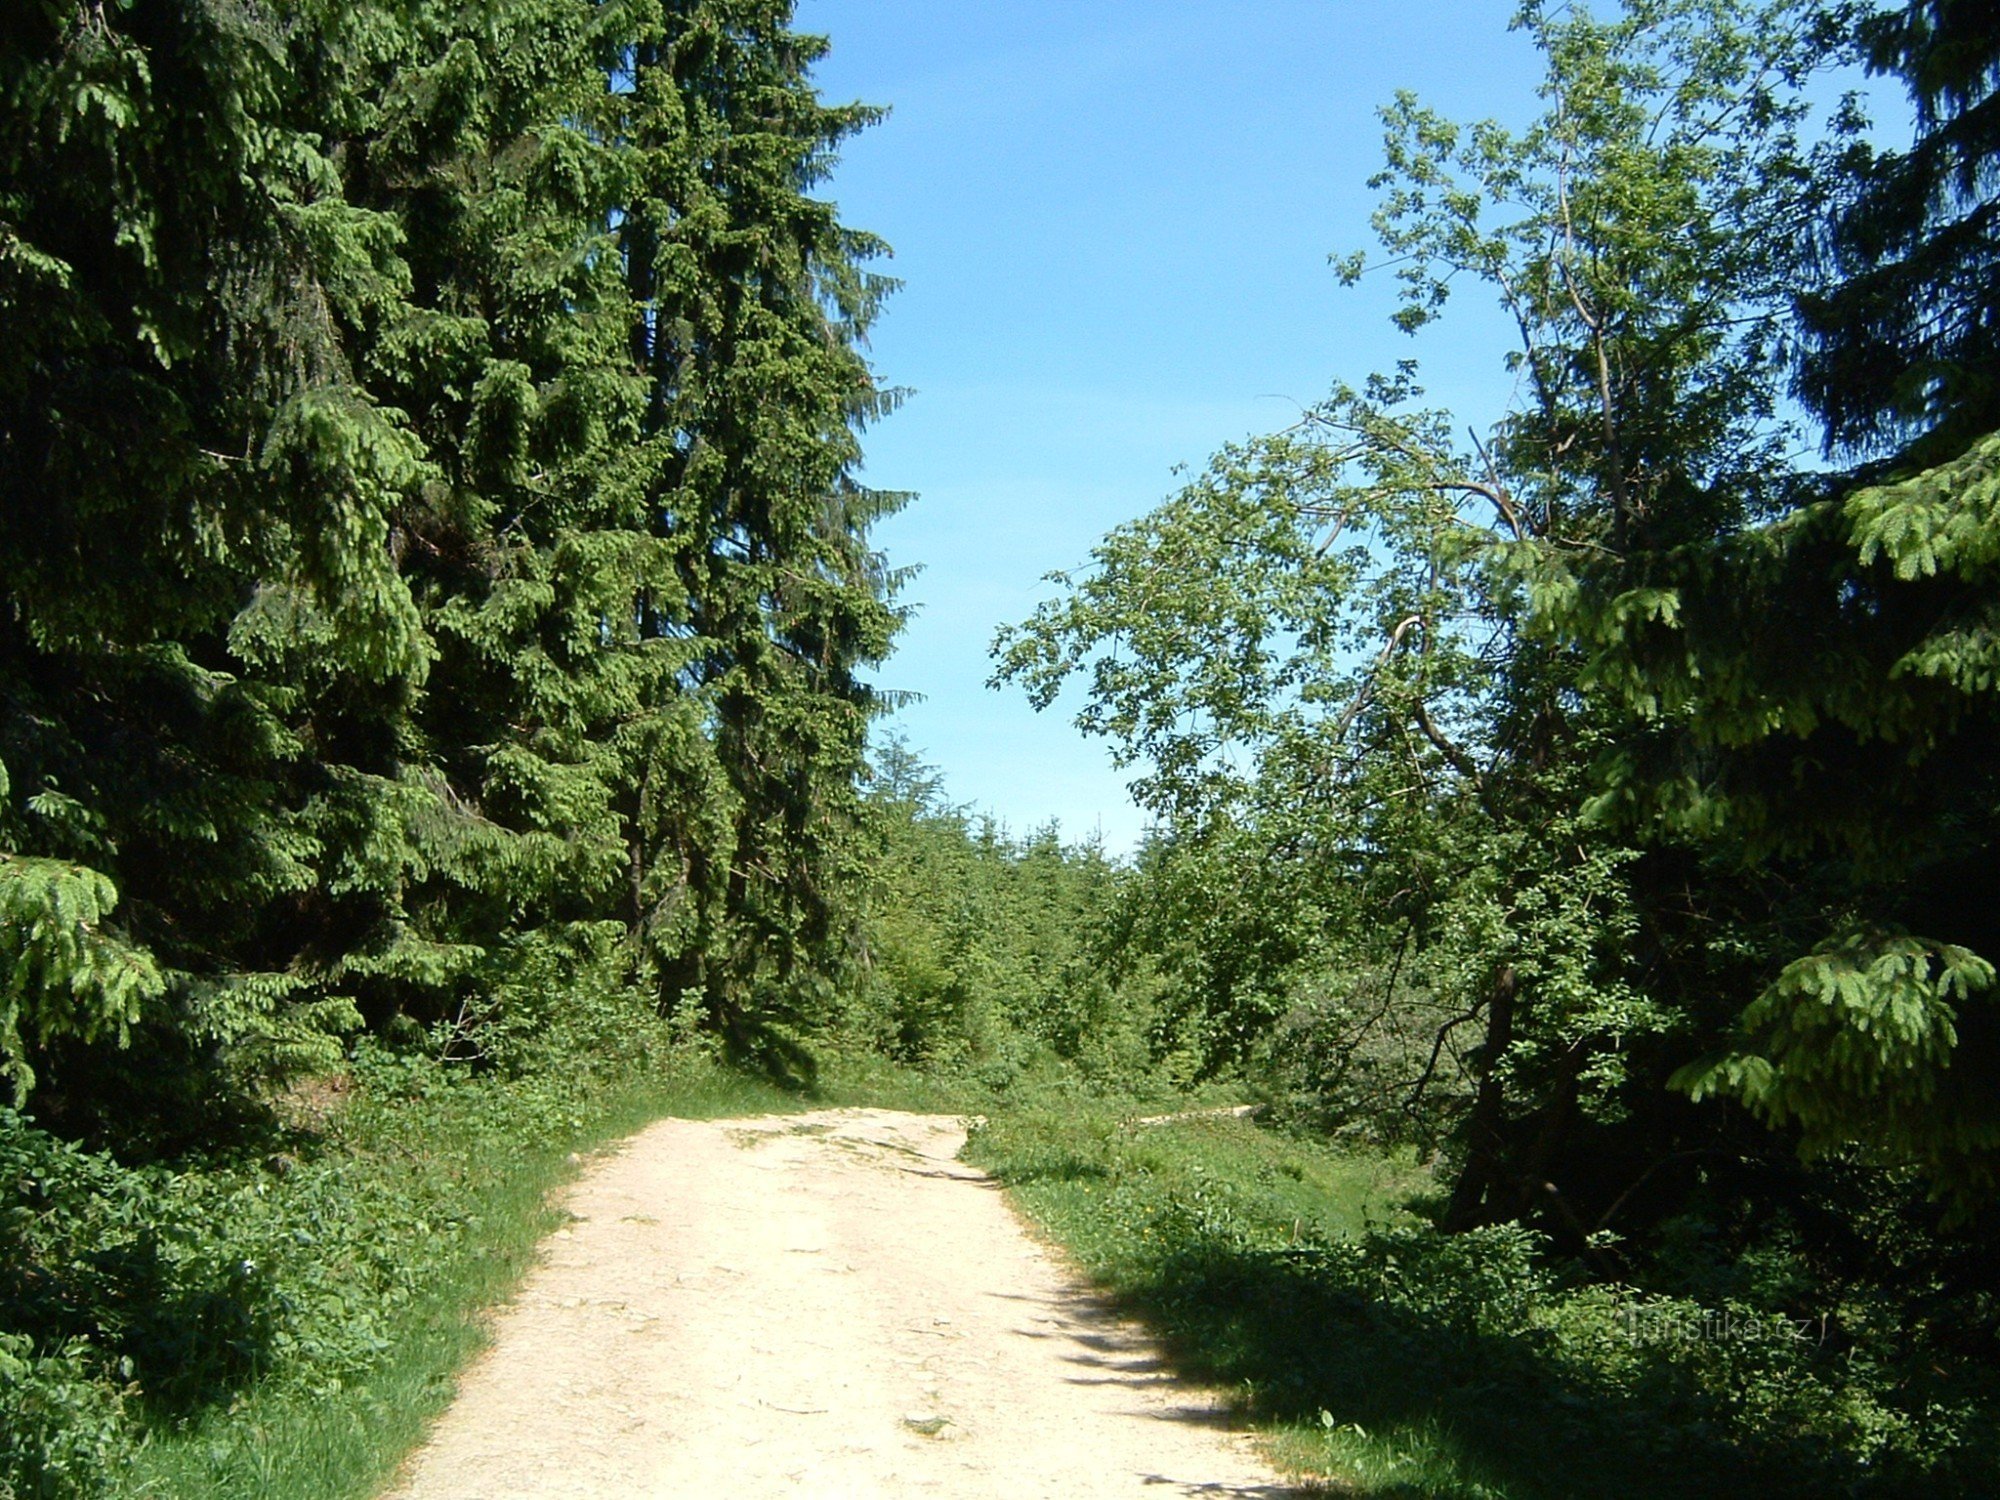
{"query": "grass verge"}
[(1377, 1357), (440, 1193)]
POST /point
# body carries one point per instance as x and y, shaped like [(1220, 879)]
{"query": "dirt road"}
[(824, 1306)]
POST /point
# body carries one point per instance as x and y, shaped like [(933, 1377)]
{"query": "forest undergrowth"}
[(1383, 1358), (281, 1312)]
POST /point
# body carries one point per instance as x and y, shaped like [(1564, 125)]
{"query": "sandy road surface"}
[(824, 1305)]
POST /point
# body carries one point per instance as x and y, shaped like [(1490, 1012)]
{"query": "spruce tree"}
[(754, 299), (178, 429), (1812, 688), (430, 545), (1900, 332)]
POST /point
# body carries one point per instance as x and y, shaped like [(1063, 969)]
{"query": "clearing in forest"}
[(823, 1305)]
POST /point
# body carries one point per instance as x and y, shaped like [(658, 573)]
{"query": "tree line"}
[(433, 556), (428, 523), (1603, 787)]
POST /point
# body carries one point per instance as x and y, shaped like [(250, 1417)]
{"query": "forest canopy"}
[(1554, 764), (430, 540)]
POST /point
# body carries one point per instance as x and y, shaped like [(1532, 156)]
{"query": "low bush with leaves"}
[(61, 1424)]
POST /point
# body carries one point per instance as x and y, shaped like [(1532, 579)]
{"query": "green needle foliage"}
[(1898, 323), (989, 957), (1810, 690), (429, 535), (435, 601), (436, 610)]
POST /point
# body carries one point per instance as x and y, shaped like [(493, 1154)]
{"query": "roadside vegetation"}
[(280, 1311), (1374, 1353), (409, 1212)]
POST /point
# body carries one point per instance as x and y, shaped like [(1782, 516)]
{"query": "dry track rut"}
[(828, 1306)]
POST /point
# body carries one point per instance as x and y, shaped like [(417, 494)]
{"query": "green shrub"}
[(561, 1001), (155, 1300), (61, 1425), (132, 1277)]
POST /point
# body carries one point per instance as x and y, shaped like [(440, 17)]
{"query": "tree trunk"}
[(1484, 1137)]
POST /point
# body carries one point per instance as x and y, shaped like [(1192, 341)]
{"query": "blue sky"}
[(1113, 218)]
